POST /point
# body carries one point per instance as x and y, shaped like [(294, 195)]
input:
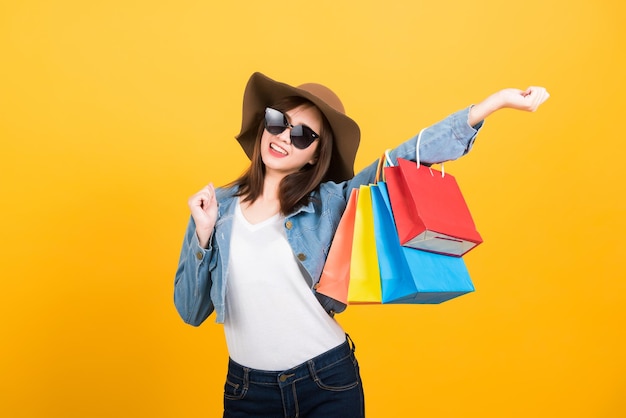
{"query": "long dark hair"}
[(295, 189)]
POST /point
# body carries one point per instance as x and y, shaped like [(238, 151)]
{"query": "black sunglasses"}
[(301, 135)]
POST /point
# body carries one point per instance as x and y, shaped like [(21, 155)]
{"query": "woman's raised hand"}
[(528, 100), (203, 206)]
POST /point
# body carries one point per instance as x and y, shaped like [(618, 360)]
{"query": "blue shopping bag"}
[(409, 275)]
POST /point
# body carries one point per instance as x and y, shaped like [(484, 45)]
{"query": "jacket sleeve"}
[(446, 140), (449, 139), (192, 285)]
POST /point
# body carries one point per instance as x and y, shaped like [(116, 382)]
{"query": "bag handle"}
[(417, 154), (388, 163), (383, 161)]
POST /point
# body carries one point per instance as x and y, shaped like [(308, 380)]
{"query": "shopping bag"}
[(429, 210), (335, 277), (409, 275), (364, 286)]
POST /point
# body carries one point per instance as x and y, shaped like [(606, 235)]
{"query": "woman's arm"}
[(192, 286), (454, 136)]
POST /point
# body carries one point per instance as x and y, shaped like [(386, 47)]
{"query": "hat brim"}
[(261, 92)]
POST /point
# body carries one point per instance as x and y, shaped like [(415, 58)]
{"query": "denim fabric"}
[(200, 283), (326, 386)]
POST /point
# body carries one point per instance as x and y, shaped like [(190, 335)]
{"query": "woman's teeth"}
[(278, 149)]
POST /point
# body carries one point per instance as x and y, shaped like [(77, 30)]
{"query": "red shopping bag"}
[(429, 210)]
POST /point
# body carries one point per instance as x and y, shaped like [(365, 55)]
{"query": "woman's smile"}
[(277, 150)]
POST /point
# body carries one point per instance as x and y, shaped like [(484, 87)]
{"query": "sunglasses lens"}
[(275, 121), (302, 136)]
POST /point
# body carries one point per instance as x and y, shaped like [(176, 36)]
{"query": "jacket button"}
[(288, 224), (301, 257), (199, 255)]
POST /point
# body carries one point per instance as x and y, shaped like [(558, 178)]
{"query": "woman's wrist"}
[(203, 238), (485, 108)]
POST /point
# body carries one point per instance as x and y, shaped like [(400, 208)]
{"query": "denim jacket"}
[(200, 283)]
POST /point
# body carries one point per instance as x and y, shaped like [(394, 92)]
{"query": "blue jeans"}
[(327, 386)]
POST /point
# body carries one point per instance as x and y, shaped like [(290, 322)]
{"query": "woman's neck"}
[(271, 187), (266, 205)]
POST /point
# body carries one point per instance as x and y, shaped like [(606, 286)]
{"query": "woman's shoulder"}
[(331, 188), (226, 192)]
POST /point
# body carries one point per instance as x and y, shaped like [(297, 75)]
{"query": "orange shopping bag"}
[(336, 274)]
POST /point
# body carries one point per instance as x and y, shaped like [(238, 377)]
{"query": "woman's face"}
[(277, 152)]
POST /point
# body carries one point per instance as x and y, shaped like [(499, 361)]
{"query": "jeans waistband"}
[(327, 359)]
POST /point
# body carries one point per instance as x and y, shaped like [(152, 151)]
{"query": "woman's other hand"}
[(203, 206)]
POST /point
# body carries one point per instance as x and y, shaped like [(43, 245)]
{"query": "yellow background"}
[(113, 112)]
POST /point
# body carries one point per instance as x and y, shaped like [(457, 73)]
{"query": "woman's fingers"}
[(203, 207), (535, 96)]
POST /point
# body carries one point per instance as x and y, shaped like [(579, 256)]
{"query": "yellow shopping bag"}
[(364, 287)]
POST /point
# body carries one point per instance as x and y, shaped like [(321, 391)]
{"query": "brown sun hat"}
[(261, 92)]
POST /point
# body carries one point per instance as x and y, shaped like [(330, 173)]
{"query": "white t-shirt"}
[(273, 320)]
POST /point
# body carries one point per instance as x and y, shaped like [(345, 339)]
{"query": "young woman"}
[(254, 250)]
